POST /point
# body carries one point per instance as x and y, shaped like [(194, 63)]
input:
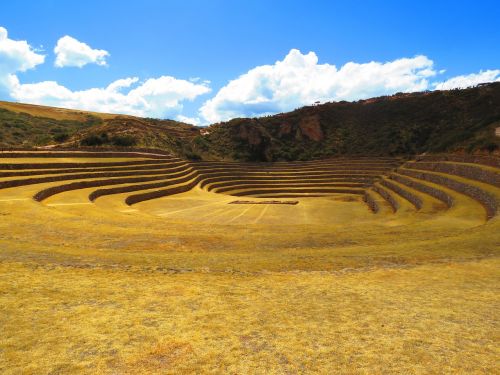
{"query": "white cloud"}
[(15, 56), (299, 80), (188, 120), (71, 52), (295, 81), (123, 83), (469, 80), (156, 97)]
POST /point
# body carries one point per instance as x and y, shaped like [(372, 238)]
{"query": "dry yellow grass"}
[(433, 319), (191, 284), (53, 112)]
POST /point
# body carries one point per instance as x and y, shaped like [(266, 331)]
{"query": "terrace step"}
[(8, 183), (371, 202), (312, 180), (48, 192), (291, 195), (431, 190), (270, 192), (141, 186), (82, 154), (150, 178), (284, 185), (293, 170), (224, 177), (376, 203), (491, 161), (395, 201), (22, 166), (41, 172), (486, 174), (429, 203), (454, 204), (403, 192), (486, 195), (159, 193)]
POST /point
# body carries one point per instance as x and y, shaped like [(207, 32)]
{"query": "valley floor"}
[(190, 284)]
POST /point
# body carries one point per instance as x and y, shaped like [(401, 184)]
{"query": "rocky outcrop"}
[(285, 129), (251, 134), (310, 127)]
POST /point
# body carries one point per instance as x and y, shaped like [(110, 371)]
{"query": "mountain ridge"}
[(460, 120)]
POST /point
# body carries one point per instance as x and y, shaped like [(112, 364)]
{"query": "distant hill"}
[(402, 124), (54, 113), (26, 125)]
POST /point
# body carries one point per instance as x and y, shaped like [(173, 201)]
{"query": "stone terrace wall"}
[(463, 170), (413, 199), (371, 203), (433, 192), (492, 161), (487, 200), (387, 196)]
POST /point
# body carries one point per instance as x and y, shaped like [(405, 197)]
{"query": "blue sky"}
[(184, 54)]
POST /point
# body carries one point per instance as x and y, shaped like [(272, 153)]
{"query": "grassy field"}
[(52, 112), (191, 284)]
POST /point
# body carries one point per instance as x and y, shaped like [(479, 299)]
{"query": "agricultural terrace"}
[(136, 262)]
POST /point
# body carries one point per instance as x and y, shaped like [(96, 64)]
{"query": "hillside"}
[(26, 126), (22, 129), (54, 113), (438, 121), (402, 124), (128, 131)]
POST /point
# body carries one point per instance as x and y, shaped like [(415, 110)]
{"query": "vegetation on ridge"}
[(402, 124), (24, 130)]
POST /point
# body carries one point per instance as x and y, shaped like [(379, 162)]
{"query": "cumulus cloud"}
[(156, 97), (72, 52), (188, 120), (464, 81), (15, 56), (299, 80), (290, 83)]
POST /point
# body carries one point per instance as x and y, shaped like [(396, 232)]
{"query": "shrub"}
[(91, 140), (61, 137), (201, 142), (123, 140)]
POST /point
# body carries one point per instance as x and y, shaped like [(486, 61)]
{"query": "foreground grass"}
[(85, 288), (432, 319)]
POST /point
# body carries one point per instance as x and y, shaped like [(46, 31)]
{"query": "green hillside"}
[(27, 126), (402, 124), (456, 120), (21, 129)]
